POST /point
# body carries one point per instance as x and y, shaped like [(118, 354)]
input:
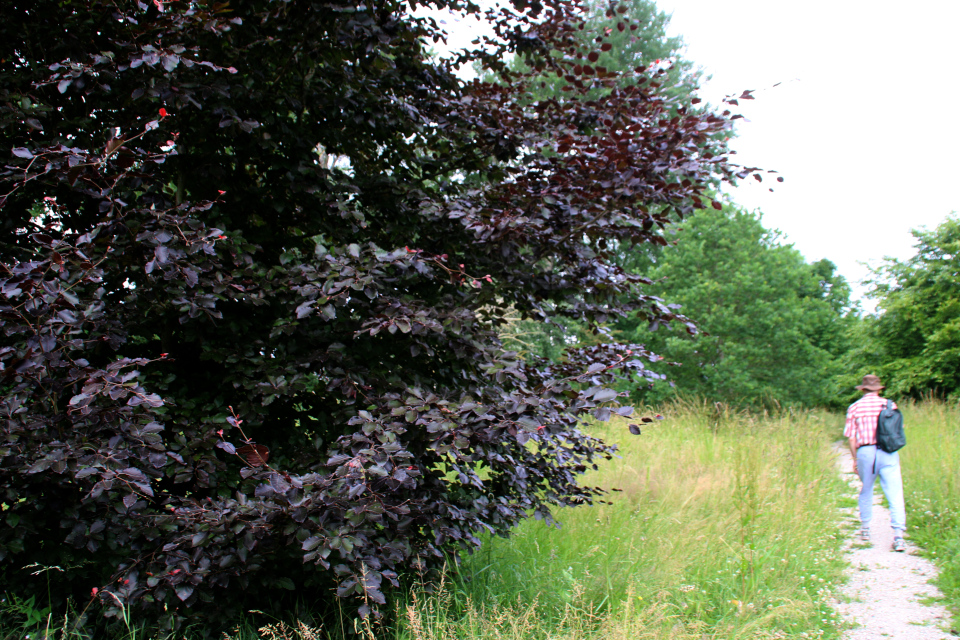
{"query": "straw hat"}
[(870, 383)]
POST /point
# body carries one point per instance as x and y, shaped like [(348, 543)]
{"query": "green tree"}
[(772, 325), (254, 259), (634, 35), (643, 42), (914, 342)]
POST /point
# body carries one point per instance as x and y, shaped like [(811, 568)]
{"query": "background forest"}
[(289, 307), (775, 329)]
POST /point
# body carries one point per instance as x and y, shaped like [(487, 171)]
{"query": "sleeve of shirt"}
[(848, 429)]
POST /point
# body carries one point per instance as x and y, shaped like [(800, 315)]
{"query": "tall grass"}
[(931, 476), (725, 525), (719, 525)]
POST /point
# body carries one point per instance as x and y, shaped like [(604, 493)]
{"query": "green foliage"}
[(930, 462), (914, 343), (725, 525), (772, 325), (635, 36), (643, 42), (22, 612), (254, 260)]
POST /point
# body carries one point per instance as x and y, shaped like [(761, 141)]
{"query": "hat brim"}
[(869, 387)]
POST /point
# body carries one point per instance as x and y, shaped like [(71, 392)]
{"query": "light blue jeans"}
[(872, 462)]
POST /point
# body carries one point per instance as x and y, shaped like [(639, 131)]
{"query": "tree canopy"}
[(914, 342), (641, 42), (773, 325), (255, 259)]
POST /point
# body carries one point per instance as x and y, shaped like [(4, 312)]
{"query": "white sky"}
[(864, 128)]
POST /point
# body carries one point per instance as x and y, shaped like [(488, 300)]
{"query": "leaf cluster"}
[(254, 261), (773, 326), (913, 343)]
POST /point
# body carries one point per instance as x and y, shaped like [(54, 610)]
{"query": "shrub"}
[(255, 259)]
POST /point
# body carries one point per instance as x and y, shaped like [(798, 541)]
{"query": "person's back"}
[(870, 462)]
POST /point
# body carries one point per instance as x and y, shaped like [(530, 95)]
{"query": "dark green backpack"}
[(890, 435)]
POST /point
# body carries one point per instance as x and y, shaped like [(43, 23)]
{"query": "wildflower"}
[(164, 355), (93, 592), (220, 433), (163, 112)]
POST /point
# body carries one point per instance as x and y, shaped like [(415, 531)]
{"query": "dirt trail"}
[(887, 594)]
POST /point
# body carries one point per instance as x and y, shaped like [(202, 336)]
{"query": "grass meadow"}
[(931, 477), (725, 525), (720, 524)]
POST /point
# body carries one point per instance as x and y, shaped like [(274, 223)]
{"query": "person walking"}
[(870, 461)]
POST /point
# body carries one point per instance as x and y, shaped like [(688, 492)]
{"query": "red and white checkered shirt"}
[(862, 418)]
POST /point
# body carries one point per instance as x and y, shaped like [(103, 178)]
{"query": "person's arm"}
[(850, 431), (853, 452)]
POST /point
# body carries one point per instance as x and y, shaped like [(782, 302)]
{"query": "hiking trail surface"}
[(889, 594)]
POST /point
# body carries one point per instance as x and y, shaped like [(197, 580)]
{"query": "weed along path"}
[(888, 594)]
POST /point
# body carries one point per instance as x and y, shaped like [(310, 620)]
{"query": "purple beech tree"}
[(232, 366)]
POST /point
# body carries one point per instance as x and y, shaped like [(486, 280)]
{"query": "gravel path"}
[(887, 594)]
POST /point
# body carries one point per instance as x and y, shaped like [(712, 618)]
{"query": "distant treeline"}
[(778, 331), (775, 330)]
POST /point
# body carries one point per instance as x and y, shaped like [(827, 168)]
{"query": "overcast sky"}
[(864, 128), (864, 125)]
